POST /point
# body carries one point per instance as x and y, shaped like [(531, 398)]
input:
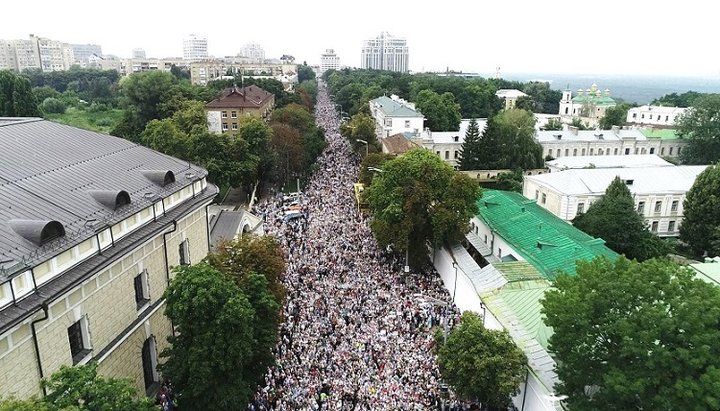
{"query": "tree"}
[(441, 112), (700, 125), (16, 96), (480, 364), (53, 105), (361, 127), (635, 336), (375, 161), (576, 122), (147, 97), (214, 341), (418, 198), (511, 181), (287, 143), (686, 99), (509, 142), (614, 219), (80, 388), (527, 103), (547, 100), (553, 124), (701, 212), (470, 151), (614, 116), (305, 72)]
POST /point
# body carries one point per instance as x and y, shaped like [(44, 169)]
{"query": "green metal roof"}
[(709, 272), (594, 100), (392, 108), (548, 243), (517, 303), (663, 134)]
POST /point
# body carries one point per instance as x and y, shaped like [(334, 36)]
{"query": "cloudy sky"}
[(520, 36)]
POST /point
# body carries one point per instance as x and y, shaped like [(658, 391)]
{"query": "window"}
[(142, 295), (662, 151), (674, 206), (438, 153), (652, 150), (499, 252), (581, 208), (407, 123), (642, 116), (457, 154), (658, 206), (234, 126), (537, 194), (544, 198), (574, 151), (671, 226), (224, 126), (627, 151), (615, 151), (582, 152), (233, 114), (671, 150), (224, 114), (79, 340), (591, 151), (679, 150), (567, 152), (149, 362), (654, 227), (388, 122), (485, 238), (667, 118), (636, 150), (447, 154), (184, 252), (456, 138), (634, 115), (600, 151), (641, 207), (567, 109)]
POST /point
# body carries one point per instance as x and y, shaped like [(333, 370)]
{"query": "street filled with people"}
[(356, 330)]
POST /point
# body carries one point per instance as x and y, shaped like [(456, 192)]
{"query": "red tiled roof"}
[(397, 143), (246, 97)]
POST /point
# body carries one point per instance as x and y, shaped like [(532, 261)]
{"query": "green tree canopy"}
[(509, 142), (701, 213), (16, 96), (361, 127), (553, 124), (546, 99), (471, 149), (441, 111), (686, 99), (213, 347), (480, 364), (614, 116), (419, 198), (146, 95), (635, 336), (374, 161), (576, 122), (305, 72), (614, 219), (700, 126)]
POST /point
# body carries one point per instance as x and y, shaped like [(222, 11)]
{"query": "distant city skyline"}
[(636, 38)]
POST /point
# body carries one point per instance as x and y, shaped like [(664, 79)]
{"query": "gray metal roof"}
[(49, 171), (225, 226)]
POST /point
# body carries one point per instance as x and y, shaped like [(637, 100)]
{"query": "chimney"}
[(573, 130)]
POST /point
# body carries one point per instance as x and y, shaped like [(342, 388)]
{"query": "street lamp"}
[(366, 145), (455, 266)]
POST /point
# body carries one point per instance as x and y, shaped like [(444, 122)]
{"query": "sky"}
[(630, 37)]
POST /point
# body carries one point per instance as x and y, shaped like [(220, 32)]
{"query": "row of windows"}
[(225, 126), (640, 207), (233, 114), (456, 154), (659, 117), (638, 150), (670, 229)]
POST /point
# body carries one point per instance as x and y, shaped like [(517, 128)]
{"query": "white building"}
[(510, 96), (588, 105), (394, 115), (616, 141), (138, 53), (634, 161), (385, 52), (654, 115), (195, 47), (659, 192), (329, 61), (83, 53), (448, 144), (254, 52)]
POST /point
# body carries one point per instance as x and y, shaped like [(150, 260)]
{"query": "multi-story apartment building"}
[(45, 54), (385, 52), (659, 192), (616, 141), (654, 115), (130, 66), (329, 61), (202, 72), (138, 54), (8, 58), (91, 227), (253, 52), (224, 112), (27, 55), (195, 48), (83, 53)]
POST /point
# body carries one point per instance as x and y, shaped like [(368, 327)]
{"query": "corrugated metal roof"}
[(645, 180), (225, 226), (637, 160), (47, 171), (392, 108), (661, 133), (547, 242)]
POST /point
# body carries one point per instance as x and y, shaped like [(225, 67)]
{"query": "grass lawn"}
[(100, 121)]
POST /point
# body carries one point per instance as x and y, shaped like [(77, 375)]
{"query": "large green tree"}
[(80, 388), (686, 99), (480, 364), (146, 97), (614, 219), (701, 213), (16, 96), (441, 111), (305, 72), (614, 116), (509, 142), (471, 149), (418, 198), (700, 126), (635, 336), (212, 349), (361, 127)]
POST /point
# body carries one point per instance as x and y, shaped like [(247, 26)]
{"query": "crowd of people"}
[(356, 331)]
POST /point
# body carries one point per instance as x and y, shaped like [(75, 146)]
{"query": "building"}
[(83, 53), (202, 72), (616, 141), (43, 53), (140, 65), (138, 54), (195, 48), (654, 115), (224, 112), (397, 144), (329, 61), (640, 160), (394, 115), (385, 52), (229, 225), (89, 237), (253, 52), (8, 57), (709, 271), (510, 96), (588, 105), (448, 144), (659, 192)]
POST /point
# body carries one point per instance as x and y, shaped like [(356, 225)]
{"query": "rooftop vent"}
[(112, 199), (558, 136), (159, 177), (38, 232), (599, 136), (629, 182)]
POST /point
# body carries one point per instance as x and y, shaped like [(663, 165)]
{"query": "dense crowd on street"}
[(356, 331)]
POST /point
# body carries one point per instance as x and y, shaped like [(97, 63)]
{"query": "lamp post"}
[(454, 264), (366, 145)]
